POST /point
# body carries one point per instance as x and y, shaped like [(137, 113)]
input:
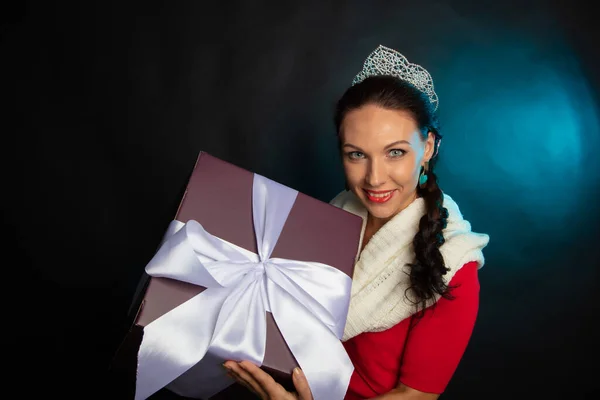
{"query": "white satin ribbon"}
[(184, 348)]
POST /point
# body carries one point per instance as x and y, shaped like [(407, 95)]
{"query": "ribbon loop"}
[(183, 349), (328, 302)]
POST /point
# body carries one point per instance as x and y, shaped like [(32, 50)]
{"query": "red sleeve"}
[(437, 342)]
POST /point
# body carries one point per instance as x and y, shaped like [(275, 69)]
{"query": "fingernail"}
[(226, 367), (297, 371)]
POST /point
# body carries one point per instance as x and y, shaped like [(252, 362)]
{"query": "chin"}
[(381, 210)]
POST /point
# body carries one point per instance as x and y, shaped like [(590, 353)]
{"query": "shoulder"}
[(459, 312), (463, 303), (468, 272), (348, 201), (464, 286), (452, 206), (460, 309), (340, 199), (462, 244)]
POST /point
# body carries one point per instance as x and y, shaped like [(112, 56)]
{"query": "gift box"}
[(248, 269)]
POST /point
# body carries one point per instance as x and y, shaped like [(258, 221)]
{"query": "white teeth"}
[(380, 195)]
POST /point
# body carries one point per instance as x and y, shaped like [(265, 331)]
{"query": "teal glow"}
[(518, 120)]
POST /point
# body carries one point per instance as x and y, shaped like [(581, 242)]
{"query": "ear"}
[(429, 147)]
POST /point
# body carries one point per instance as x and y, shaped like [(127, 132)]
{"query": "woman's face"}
[(383, 152)]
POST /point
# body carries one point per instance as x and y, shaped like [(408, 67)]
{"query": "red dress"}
[(424, 357)]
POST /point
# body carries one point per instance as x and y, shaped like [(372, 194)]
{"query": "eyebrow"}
[(386, 147)]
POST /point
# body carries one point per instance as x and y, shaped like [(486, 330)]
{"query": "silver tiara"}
[(386, 61)]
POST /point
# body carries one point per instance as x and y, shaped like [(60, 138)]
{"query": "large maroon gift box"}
[(219, 196)]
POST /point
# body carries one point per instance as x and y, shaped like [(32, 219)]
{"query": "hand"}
[(264, 386)]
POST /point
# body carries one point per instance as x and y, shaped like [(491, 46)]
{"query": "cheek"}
[(406, 173), (353, 172)]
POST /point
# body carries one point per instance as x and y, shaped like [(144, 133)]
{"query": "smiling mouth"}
[(379, 196)]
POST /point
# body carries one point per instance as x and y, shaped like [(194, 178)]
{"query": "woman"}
[(415, 289)]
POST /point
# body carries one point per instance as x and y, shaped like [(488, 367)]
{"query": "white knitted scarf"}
[(381, 272)]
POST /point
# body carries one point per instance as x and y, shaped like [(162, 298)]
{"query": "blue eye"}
[(397, 153), (355, 155)]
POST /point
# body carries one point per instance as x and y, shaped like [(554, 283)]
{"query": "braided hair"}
[(428, 269)]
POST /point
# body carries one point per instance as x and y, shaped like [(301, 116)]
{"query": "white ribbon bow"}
[(185, 347)]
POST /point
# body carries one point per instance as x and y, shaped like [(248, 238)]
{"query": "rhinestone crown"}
[(386, 61)]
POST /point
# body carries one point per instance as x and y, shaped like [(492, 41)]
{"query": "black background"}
[(108, 103)]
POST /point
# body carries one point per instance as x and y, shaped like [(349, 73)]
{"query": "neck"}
[(374, 223)]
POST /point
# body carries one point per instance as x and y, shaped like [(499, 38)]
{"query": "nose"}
[(376, 173)]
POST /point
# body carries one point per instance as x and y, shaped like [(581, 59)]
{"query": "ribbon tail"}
[(321, 354), (177, 341), (239, 334), (271, 206)]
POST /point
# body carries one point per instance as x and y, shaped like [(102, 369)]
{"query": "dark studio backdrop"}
[(107, 105)]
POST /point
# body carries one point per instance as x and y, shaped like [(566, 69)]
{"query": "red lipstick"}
[(379, 196)]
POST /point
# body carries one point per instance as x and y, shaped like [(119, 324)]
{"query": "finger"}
[(266, 381), (245, 378), (239, 380), (231, 366), (243, 383), (301, 385)]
